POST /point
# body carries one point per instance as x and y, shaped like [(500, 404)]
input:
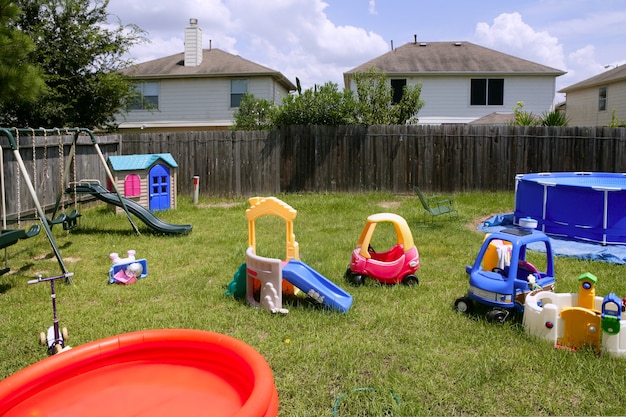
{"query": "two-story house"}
[(463, 82), (198, 89), (596, 100)]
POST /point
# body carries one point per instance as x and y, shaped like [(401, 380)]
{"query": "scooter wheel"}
[(43, 339), (57, 348), (64, 333)]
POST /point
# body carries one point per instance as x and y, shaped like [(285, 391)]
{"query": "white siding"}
[(198, 100), (582, 105), (447, 98)]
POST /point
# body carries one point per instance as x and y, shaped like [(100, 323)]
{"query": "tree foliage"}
[(548, 118), (320, 105), (254, 114), (80, 53), (327, 105), (374, 96), (20, 80)]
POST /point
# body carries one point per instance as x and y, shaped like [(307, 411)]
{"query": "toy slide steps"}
[(138, 210), (316, 286)]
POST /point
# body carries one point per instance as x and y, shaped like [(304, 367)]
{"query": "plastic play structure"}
[(579, 320), (501, 277), (94, 188), (267, 279), (396, 265), (56, 336), (554, 200), (157, 373), (127, 270)]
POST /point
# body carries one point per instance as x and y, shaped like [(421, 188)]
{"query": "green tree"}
[(374, 96), (254, 114), (320, 105), (20, 80), (80, 53)]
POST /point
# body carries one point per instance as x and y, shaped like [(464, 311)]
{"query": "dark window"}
[(495, 92), (397, 86), (478, 94), (485, 91), (602, 99), (237, 89), (146, 96)]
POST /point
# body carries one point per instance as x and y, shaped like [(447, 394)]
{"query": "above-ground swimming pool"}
[(585, 206)]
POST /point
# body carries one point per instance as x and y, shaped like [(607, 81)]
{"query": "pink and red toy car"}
[(394, 266)]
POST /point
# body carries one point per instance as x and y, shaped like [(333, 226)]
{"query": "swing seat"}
[(60, 219), (71, 220), (11, 236)]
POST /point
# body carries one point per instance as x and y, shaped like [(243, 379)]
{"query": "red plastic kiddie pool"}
[(154, 373)]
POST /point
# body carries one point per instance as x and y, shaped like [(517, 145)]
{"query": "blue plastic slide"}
[(316, 286)]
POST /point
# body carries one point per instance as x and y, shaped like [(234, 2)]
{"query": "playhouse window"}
[(132, 185)]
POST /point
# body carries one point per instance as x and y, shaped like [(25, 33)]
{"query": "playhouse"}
[(147, 179), (578, 320)]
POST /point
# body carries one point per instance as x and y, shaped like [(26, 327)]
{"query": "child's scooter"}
[(55, 337)]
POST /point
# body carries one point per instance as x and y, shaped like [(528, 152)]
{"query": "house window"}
[(132, 185), (146, 96), (397, 86), (602, 99), (237, 89), (487, 91)]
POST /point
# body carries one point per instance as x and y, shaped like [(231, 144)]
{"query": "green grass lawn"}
[(399, 351)]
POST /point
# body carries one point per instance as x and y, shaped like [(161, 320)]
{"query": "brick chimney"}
[(193, 44)]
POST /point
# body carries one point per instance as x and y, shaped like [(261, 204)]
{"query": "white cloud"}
[(372, 7), (510, 34)]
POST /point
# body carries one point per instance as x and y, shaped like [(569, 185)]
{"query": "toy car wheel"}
[(410, 280), (42, 338), (464, 305), (64, 333), (498, 316), (356, 279)]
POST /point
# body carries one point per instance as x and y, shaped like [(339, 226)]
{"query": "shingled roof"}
[(215, 63), (451, 58), (612, 76)]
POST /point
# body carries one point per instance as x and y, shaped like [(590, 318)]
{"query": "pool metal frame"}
[(583, 206)]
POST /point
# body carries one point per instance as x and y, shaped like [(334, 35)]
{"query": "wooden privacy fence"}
[(45, 158), (327, 158), (445, 158)]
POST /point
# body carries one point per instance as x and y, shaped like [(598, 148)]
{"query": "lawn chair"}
[(437, 208)]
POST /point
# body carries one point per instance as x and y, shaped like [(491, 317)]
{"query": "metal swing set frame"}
[(10, 237)]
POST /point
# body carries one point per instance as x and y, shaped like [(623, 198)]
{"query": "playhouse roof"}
[(139, 162)]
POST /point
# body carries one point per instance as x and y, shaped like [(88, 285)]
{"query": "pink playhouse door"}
[(159, 188)]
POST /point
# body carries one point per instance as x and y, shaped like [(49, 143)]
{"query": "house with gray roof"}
[(591, 102), (463, 82), (198, 89)]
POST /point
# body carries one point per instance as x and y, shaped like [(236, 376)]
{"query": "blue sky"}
[(317, 41)]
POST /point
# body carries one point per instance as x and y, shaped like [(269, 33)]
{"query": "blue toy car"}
[(501, 276)]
